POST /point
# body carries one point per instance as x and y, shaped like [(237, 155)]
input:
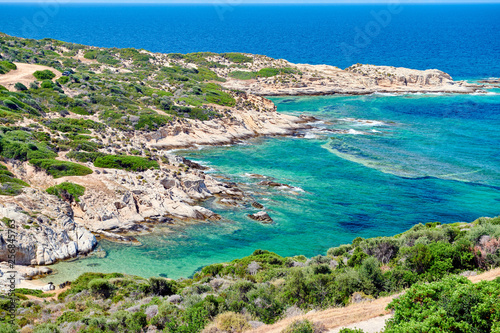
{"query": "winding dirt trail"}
[(24, 75), (369, 316)]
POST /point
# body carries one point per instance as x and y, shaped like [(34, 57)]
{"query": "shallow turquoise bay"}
[(375, 165)]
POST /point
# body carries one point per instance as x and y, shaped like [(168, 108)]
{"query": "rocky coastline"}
[(118, 204)]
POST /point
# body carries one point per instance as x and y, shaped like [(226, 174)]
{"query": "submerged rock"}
[(273, 184), (261, 217), (257, 205)]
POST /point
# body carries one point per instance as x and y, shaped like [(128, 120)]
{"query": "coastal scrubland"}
[(266, 287), (85, 110)]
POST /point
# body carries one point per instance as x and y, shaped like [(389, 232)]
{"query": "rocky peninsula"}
[(85, 135)]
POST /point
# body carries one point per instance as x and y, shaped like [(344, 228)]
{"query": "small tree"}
[(162, 287)]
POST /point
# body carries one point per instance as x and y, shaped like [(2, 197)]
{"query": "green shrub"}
[(357, 257), (6, 66), (59, 169), (10, 104), (63, 79), (162, 287), (243, 75), (71, 125), (237, 57), (129, 163), (47, 328), (304, 326), (101, 287), (66, 188), (80, 110), (340, 250), (264, 72), (7, 328), (68, 317), (44, 75), (451, 305), (47, 84), (20, 145), (20, 87), (84, 156), (232, 322), (10, 185), (136, 322)]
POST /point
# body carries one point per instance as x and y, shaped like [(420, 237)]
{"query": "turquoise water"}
[(427, 158), (374, 166)]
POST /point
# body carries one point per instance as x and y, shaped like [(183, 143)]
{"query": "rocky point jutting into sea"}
[(103, 104)]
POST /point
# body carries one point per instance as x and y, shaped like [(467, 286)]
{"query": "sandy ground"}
[(370, 316), (373, 325), (24, 74)]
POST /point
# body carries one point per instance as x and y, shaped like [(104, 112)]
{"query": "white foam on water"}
[(355, 132), (310, 135), (364, 122), (383, 94)]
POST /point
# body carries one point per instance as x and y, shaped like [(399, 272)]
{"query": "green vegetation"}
[(129, 163), (44, 75), (263, 286), (237, 58), (8, 222), (265, 72), (20, 87), (84, 157), (58, 169), (6, 66), (32, 292), (9, 184), (67, 190), (304, 326), (21, 145), (452, 305), (71, 125)]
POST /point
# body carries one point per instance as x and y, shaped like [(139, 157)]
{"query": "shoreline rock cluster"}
[(358, 79)]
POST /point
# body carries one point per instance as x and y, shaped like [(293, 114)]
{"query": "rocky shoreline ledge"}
[(119, 113)]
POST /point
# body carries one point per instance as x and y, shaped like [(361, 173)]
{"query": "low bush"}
[(162, 287), (237, 58), (47, 84), (67, 190), (84, 156), (101, 287), (63, 80), (232, 322), (304, 326), (452, 305), (6, 66), (129, 163), (44, 75), (10, 185), (21, 145), (71, 125), (59, 169), (20, 87)]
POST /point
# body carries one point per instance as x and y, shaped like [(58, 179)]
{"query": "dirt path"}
[(370, 316), (53, 298), (24, 75)]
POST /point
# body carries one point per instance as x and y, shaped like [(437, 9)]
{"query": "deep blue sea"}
[(462, 40), (375, 165)]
